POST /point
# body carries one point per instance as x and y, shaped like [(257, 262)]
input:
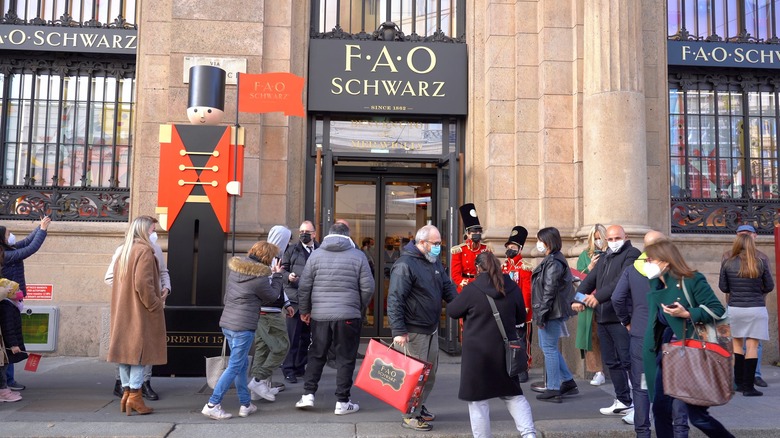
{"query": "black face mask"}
[(305, 238), (511, 253), (476, 237), (389, 247)]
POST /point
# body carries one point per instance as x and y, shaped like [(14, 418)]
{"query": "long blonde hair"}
[(744, 249), (602, 230), (139, 229)]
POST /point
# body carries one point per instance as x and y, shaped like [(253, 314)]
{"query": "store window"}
[(90, 13), (413, 20), (724, 20), (724, 155)]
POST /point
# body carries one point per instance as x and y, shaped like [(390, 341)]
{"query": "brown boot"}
[(125, 396), (136, 403)]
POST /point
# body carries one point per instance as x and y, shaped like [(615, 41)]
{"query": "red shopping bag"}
[(392, 376), (32, 362)]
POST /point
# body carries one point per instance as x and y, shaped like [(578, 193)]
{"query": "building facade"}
[(654, 115)]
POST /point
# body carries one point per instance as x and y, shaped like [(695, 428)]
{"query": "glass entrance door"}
[(383, 212)]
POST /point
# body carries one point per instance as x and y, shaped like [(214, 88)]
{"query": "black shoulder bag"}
[(513, 348)]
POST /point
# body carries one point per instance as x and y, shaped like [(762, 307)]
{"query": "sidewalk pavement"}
[(69, 397)]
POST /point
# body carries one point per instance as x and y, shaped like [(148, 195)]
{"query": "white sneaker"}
[(261, 389), (215, 412), (306, 401), (629, 417), (598, 379), (246, 411), (617, 408), (344, 408)]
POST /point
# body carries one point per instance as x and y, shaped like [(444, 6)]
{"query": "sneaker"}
[(260, 387), (629, 417), (538, 387), (276, 387), (758, 381), (426, 415), (6, 395), (617, 408), (550, 395), (598, 379), (344, 408), (306, 401), (416, 423), (15, 386), (569, 388), (215, 412), (246, 411)]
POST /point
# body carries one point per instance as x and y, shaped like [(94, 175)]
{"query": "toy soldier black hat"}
[(469, 215), (517, 236), (207, 87)]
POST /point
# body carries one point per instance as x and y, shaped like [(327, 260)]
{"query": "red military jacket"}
[(462, 269), (520, 271)]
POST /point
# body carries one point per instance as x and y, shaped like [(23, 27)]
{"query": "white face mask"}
[(616, 245), (599, 243), (153, 237), (540, 247), (11, 239), (652, 270)]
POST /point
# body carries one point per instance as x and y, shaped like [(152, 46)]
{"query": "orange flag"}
[(271, 92)]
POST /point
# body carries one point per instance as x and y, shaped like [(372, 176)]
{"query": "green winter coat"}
[(699, 291)]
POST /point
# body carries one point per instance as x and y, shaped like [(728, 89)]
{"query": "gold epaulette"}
[(526, 266), (457, 249)]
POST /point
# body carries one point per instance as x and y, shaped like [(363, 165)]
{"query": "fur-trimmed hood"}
[(248, 268)]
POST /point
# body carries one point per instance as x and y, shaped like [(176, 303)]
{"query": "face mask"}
[(540, 247), (599, 243), (153, 237), (435, 250), (652, 270), (511, 253), (306, 238), (615, 246), (476, 237), (11, 239), (389, 247)]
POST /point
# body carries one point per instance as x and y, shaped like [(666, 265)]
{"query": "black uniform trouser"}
[(344, 336), (300, 338)]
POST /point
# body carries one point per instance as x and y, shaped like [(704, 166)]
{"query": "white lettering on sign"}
[(232, 66)]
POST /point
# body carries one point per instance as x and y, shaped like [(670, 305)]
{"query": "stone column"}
[(614, 125)]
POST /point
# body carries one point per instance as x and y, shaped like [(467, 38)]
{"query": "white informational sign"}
[(232, 66)]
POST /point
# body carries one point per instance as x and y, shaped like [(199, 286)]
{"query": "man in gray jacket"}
[(335, 286)]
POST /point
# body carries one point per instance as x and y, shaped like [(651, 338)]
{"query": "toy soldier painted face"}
[(206, 101)]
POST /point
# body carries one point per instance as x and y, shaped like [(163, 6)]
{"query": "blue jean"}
[(616, 355), (554, 364), (641, 398), (9, 374), (131, 375), (236, 372)]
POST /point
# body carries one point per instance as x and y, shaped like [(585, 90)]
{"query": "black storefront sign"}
[(721, 54), (69, 39), (388, 77)]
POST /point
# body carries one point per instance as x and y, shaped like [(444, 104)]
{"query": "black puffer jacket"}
[(745, 292), (416, 290), (604, 277), (11, 327), (550, 289)]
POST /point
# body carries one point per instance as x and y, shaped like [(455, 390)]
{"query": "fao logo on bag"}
[(387, 374)]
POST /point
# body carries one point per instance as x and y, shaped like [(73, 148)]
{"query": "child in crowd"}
[(10, 335)]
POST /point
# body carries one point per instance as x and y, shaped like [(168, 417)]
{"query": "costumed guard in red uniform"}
[(463, 269), (520, 271)]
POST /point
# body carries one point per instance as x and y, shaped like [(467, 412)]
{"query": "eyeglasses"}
[(435, 243)]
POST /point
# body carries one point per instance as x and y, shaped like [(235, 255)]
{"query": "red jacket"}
[(520, 271)]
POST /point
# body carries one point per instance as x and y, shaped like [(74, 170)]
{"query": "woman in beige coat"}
[(137, 319)]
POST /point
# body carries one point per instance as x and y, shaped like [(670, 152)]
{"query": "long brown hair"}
[(744, 249), (263, 252), (488, 263), (666, 251)]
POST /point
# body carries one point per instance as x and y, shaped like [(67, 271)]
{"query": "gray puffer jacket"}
[(336, 283), (249, 284)]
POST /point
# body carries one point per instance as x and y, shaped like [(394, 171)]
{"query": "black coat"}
[(294, 260), (630, 300), (604, 277), (745, 292), (551, 289), (483, 369), (11, 326)]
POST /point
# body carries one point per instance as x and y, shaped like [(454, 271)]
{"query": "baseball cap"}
[(748, 228)]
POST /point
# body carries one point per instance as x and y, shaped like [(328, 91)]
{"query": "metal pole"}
[(235, 171)]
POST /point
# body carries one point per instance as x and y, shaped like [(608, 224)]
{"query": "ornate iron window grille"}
[(65, 203), (61, 13), (705, 27), (722, 214)]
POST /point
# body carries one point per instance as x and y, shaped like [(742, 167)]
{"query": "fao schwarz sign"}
[(717, 54), (387, 77), (68, 39)]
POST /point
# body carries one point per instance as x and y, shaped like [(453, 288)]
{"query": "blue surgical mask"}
[(435, 250)]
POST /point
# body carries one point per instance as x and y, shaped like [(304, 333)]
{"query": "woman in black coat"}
[(483, 372)]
